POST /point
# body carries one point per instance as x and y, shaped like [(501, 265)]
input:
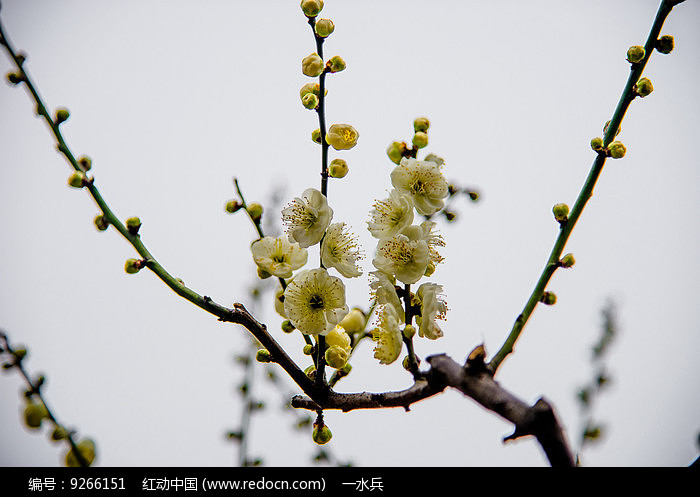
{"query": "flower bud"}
[(321, 434), (287, 326), (337, 357), (133, 266), (77, 179), (561, 212), (338, 168), (61, 116), (256, 211), (338, 337), (59, 433), (312, 65), (449, 215), (643, 87), (310, 372), (34, 414), (14, 78), (421, 124), (567, 261), (310, 101), (19, 353), (311, 8), (324, 27), (335, 64), (548, 298), (616, 150), (635, 54), (409, 331), (133, 224), (233, 206), (316, 135), (101, 222), (396, 151), (306, 89), (664, 44), (85, 163), (86, 448), (262, 355), (309, 349), (354, 321), (597, 143), (420, 139), (342, 136)]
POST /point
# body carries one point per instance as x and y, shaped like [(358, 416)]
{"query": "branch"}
[(475, 381), (553, 263)]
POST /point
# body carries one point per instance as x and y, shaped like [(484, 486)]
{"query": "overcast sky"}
[(173, 99)]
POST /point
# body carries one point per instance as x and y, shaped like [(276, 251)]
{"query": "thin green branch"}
[(628, 94), (34, 389)]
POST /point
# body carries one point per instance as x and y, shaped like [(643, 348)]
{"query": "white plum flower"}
[(314, 301), (405, 255), (391, 215), (433, 307), (388, 336), (384, 292), (433, 240), (307, 218), (278, 256), (341, 251), (424, 182)]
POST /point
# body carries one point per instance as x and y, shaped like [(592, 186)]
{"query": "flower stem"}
[(628, 94)]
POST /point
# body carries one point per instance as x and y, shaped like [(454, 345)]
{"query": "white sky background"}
[(172, 99)]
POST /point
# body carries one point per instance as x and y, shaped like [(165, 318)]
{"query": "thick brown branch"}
[(476, 382)]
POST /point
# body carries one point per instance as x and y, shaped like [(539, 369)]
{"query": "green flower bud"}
[(409, 331), (665, 44), (85, 163), (336, 64), (561, 212), (337, 356), (61, 116), (338, 337), (616, 150), (263, 355), (354, 321), (255, 211), (643, 87), (306, 89), (396, 151), (420, 139), (311, 8), (59, 433), (421, 124), (434, 158), (324, 27), (310, 372), (34, 414), (233, 206), (133, 224), (635, 54), (77, 179), (133, 266), (287, 326), (309, 349), (101, 222), (310, 101), (597, 143), (548, 298), (321, 434), (316, 135), (567, 261), (86, 448), (312, 65), (338, 168), (14, 78)]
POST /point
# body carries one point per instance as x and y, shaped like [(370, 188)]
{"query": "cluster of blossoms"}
[(407, 252)]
